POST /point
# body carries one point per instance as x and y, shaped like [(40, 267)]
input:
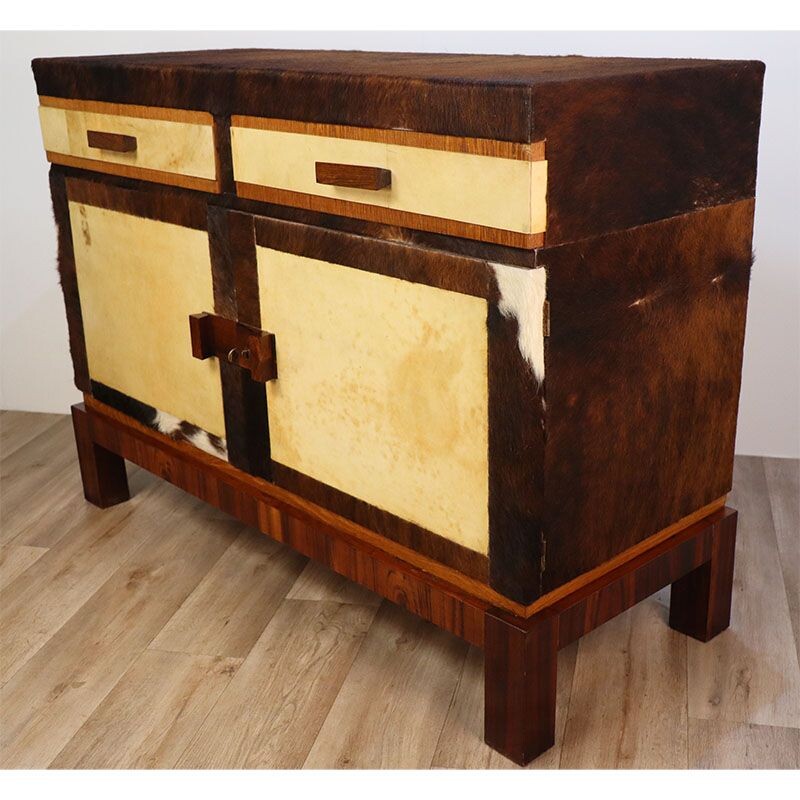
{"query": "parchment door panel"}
[(139, 279), (381, 390)]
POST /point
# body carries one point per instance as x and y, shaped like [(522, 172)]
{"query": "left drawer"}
[(164, 145)]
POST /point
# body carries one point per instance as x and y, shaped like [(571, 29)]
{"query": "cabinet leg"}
[(520, 685), (105, 482), (700, 605)]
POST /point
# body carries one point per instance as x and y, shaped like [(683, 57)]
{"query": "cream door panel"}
[(138, 281), (381, 390)]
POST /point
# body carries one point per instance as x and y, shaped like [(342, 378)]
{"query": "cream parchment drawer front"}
[(156, 144), (382, 390), (475, 188), (139, 280)]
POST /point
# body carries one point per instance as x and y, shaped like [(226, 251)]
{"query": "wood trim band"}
[(451, 581), (521, 151), (389, 216), (142, 173), (415, 537), (126, 110)]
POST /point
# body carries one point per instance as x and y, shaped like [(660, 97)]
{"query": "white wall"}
[(36, 373)]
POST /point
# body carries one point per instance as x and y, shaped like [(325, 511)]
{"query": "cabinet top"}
[(516, 70)]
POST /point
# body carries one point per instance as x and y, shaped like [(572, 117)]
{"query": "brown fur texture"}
[(643, 147), (642, 384), (68, 279), (516, 465), (235, 282)]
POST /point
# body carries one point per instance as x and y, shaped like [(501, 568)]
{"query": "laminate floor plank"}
[(232, 605), (15, 559), (317, 582), (17, 428), (392, 707), (38, 602), (715, 744), (750, 672), (48, 699), (628, 702), (65, 509), (783, 485), (274, 707), (25, 476), (461, 744), (148, 718)]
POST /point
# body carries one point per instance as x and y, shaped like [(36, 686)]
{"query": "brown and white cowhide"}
[(161, 421)]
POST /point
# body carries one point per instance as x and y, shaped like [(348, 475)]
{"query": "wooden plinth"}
[(521, 643)]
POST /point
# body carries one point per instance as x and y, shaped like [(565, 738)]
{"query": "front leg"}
[(105, 482), (520, 684)]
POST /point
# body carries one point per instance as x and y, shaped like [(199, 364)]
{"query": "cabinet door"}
[(380, 409), (142, 267), (382, 390)]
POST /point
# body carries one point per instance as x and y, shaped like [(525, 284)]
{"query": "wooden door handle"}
[(234, 342), (353, 176), (116, 142)]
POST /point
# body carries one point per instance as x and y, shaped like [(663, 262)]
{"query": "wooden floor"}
[(161, 633)]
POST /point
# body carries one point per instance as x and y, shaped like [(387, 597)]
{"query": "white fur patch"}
[(166, 423), (170, 425), (522, 296)]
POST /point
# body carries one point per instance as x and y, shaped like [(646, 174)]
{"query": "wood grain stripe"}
[(389, 216), (125, 171), (126, 110), (520, 151)]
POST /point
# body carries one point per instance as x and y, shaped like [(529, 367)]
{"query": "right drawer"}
[(481, 189)]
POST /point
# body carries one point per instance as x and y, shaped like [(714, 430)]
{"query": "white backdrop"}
[(35, 371)]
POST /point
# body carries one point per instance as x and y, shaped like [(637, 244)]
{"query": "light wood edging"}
[(521, 151), (469, 590), (388, 216), (142, 173), (125, 110)]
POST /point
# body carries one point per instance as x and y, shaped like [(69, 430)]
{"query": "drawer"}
[(474, 188), (155, 144), (140, 275)]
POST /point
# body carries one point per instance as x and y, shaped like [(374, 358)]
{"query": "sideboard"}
[(466, 329)]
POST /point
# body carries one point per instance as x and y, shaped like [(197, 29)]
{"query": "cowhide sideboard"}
[(466, 329)]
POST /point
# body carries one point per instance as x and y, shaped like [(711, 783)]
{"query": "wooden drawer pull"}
[(116, 142), (353, 176), (234, 342)]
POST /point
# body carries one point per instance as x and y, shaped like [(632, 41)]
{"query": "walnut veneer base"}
[(521, 652)]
